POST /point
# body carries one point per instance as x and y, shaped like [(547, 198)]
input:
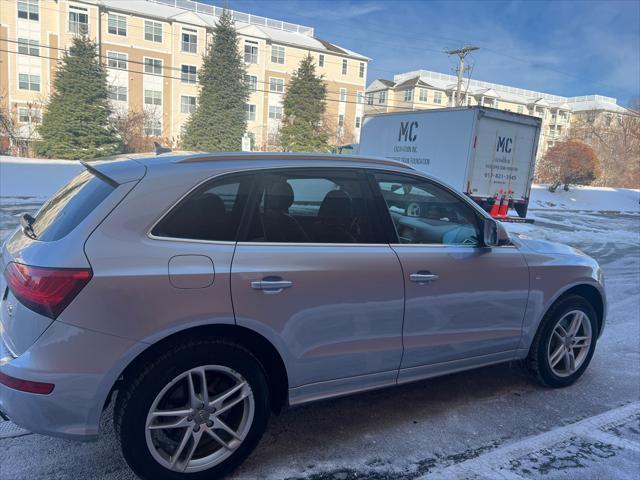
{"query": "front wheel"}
[(196, 412), (564, 343)]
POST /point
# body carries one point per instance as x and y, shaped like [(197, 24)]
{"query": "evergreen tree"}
[(304, 106), (219, 121), (76, 123)]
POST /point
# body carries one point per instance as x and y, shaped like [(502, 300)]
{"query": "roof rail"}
[(208, 157)]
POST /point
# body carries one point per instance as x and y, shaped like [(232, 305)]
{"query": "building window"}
[(250, 111), (27, 46), (153, 127), (250, 52), (153, 31), (361, 70), (520, 109), (189, 41), (423, 94), (277, 54), (28, 115), (252, 82), (321, 60), (382, 97), (437, 97), (275, 112), (29, 82), (344, 66), (189, 74), (358, 121), (343, 94), (153, 97), (340, 120), (408, 95), (276, 85), (78, 20), (28, 9), (117, 24), (117, 60), (188, 104), (153, 66), (369, 98), (117, 93), (359, 98)]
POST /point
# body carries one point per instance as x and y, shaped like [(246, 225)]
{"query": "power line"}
[(461, 53)]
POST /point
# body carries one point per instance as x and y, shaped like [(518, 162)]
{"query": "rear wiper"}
[(26, 221)]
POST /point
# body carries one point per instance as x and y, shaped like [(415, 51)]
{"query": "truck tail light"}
[(45, 290)]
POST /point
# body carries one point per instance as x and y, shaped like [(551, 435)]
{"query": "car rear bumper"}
[(83, 365)]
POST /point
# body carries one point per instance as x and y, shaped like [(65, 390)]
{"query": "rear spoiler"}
[(116, 172)]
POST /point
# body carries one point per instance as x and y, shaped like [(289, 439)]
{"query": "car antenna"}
[(160, 149)]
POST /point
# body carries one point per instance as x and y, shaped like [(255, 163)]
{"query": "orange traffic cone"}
[(503, 211), (495, 209)]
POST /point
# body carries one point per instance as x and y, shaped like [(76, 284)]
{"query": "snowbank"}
[(588, 199), (29, 177)]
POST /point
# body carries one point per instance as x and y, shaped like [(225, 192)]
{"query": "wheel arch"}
[(591, 294)]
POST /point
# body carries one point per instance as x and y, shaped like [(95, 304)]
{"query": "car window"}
[(213, 212), (302, 206), (69, 206), (424, 213)]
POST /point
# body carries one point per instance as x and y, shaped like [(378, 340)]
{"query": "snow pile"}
[(587, 199), (34, 178)]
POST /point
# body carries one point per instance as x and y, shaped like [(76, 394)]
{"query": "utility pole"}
[(461, 53)]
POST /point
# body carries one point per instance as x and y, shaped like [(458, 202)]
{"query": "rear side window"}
[(69, 206), (213, 212)]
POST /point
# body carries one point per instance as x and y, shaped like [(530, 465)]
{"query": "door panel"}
[(341, 316), (475, 306)]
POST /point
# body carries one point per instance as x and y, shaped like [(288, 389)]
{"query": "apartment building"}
[(424, 89), (153, 50)]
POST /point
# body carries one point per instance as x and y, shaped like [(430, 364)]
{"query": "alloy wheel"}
[(569, 343)]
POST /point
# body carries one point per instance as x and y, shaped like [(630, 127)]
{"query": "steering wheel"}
[(413, 210)]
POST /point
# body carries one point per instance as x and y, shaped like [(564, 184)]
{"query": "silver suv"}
[(203, 292)]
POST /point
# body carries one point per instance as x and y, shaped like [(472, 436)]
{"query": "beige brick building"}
[(153, 50), (424, 89)]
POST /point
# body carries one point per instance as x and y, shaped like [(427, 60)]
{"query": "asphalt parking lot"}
[(484, 424)]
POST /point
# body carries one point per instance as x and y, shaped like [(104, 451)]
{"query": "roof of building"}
[(442, 81), (206, 15)]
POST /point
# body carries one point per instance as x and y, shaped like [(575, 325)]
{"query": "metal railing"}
[(238, 17)]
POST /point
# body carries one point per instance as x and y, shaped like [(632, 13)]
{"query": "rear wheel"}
[(521, 209), (564, 343), (197, 412)]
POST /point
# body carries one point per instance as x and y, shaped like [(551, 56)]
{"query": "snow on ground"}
[(27, 177), (593, 199)]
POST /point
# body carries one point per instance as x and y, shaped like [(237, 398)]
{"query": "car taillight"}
[(45, 290)]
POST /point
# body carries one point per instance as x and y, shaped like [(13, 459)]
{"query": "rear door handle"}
[(270, 285), (423, 277)]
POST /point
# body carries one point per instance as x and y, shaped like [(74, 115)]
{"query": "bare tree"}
[(136, 128), (19, 125)]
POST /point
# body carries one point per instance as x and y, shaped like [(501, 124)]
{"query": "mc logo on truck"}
[(504, 144), (406, 131)]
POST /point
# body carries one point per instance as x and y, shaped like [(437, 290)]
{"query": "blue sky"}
[(564, 47)]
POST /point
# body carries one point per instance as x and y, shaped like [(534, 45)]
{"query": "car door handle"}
[(423, 277), (271, 285)]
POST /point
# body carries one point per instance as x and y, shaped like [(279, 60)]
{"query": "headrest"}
[(336, 205), (278, 196)]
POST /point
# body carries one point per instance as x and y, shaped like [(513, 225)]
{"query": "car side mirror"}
[(490, 233)]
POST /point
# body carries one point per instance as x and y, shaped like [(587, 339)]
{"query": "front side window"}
[(117, 60), (189, 74), (212, 212), (305, 206), (29, 9), (188, 104), (425, 213), (250, 52), (153, 66), (27, 46), (276, 85), (189, 41), (277, 54), (117, 24), (78, 20), (152, 31)]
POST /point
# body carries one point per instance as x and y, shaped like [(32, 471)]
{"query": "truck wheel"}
[(564, 343), (521, 209), (195, 412)]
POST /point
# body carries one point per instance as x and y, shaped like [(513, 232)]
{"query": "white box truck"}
[(480, 151)]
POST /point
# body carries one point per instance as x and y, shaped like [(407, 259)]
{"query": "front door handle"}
[(423, 277), (270, 285)]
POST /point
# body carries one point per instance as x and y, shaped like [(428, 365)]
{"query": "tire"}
[(165, 384), (547, 345), (521, 209)]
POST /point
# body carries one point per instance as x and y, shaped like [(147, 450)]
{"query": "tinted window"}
[(213, 212), (304, 206), (423, 212), (69, 206)]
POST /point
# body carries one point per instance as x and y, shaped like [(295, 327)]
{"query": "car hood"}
[(546, 247)]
